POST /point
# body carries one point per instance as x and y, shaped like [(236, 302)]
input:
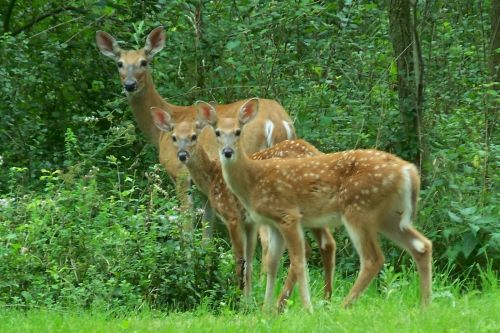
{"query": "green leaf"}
[(452, 253), (468, 211), (11, 236), (468, 244), (454, 217), (474, 228), (27, 296), (324, 120), (233, 44), (394, 69)]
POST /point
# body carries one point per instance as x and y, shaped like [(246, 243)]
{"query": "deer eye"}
[(144, 63), (193, 137), (174, 138), (237, 132), (120, 64), (217, 133)]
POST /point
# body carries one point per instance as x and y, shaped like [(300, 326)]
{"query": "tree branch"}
[(8, 14), (44, 16)]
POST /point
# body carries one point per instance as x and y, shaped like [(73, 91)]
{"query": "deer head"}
[(133, 65), (228, 129), (185, 134)]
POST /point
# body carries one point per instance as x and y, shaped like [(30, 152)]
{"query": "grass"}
[(390, 308), (471, 313)]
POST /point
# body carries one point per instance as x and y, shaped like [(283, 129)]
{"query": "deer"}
[(207, 175), (369, 192), (136, 78)]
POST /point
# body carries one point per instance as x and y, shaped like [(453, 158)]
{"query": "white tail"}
[(368, 191), (207, 174)]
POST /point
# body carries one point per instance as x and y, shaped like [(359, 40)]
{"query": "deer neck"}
[(201, 168), (238, 173), (141, 102)]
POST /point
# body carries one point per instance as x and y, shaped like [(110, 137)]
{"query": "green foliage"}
[(76, 244), (82, 221)]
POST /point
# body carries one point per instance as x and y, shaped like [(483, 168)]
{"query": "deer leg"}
[(182, 188), (294, 238), (371, 257), (264, 242), (251, 240), (327, 247), (420, 249), (276, 249), (308, 249), (208, 221), (287, 289), (236, 233)]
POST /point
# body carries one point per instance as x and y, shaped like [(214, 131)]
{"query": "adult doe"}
[(135, 75)]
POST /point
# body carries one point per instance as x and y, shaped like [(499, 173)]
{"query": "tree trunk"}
[(198, 26), (7, 16), (490, 112), (410, 69), (495, 41)]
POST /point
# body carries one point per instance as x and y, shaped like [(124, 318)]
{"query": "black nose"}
[(228, 152), (130, 85), (183, 156)]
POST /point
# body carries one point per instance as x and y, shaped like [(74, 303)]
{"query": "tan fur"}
[(365, 190)]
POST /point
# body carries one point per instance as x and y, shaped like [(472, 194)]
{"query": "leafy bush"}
[(76, 245), (105, 239)]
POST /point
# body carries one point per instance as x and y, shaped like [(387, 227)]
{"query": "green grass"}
[(393, 308), (470, 313)]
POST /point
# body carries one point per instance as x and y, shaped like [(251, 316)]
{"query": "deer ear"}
[(162, 119), (107, 44), (155, 42), (248, 110), (206, 112)]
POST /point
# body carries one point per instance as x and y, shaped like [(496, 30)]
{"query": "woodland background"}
[(87, 216)]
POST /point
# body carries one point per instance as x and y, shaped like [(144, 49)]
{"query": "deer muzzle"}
[(183, 156), (130, 85), (228, 152)]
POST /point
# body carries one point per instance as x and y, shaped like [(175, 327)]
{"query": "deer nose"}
[(130, 85), (227, 152), (183, 155)]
